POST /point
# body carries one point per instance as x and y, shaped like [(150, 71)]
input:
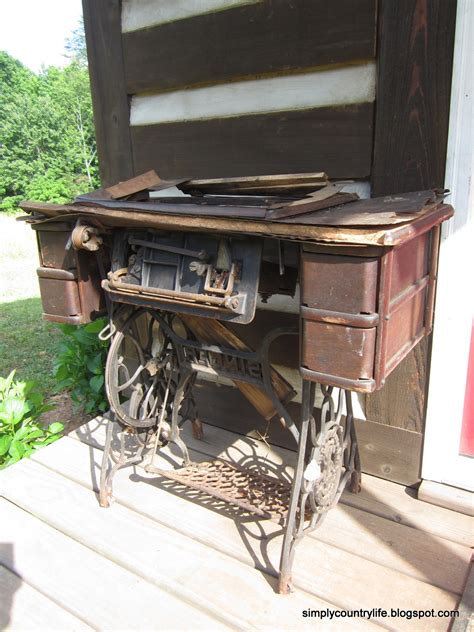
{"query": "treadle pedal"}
[(257, 493)]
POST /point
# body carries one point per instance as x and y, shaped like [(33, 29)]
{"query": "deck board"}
[(379, 497), (409, 551), (220, 586), (98, 591), (204, 554), (24, 608)]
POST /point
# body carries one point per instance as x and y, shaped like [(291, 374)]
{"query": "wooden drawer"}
[(344, 351), (69, 279), (59, 295), (361, 314), (53, 241), (341, 284)]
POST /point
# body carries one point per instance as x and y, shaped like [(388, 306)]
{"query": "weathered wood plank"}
[(379, 497), (407, 550), (197, 574), (416, 41), (463, 623), (24, 608), (447, 496), (88, 585), (284, 184), (134, 185), (401, 402), (386, 451), (267, 37), (389, 452), (337, 140), (215, 332), (366, 236), (412, 530), (335, 567), (109, 94)]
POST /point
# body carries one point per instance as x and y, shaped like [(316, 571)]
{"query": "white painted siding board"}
[(338, 86), (139, 14)]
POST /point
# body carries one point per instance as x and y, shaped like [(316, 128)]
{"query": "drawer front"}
[(410, 264), (53, 251), (338, 350), (60, 298), (404, 328), (339, 283)]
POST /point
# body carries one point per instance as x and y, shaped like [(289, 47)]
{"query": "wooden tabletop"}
[(374, 226)]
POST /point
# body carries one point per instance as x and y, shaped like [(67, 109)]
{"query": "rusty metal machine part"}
[(328, 459), (204, 275), (256, 493), (85, 237)]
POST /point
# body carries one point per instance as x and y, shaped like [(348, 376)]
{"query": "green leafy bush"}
[(20, 432), (54, 186), (10, 203), (80, 365)]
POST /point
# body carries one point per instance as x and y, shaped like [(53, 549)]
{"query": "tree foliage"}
[(47, 140), (76, 45)]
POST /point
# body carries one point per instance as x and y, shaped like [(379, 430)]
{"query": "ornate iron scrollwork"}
[(327, 460), (150, 374), (149, 391)]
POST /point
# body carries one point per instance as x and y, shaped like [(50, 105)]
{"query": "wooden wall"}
[(213, 88), (233, 88), (414, 67)]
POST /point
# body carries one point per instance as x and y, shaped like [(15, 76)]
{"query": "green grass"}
[(28, 343)]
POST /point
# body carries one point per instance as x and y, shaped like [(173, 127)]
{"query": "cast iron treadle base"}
[(259, 494)]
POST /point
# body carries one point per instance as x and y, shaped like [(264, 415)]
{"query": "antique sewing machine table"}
[(172, 274)]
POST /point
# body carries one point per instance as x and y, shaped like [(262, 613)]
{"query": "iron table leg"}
[(327, 460)]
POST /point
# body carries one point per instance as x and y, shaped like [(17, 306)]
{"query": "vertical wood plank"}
[(102, 21), (415, 54), (415, 58)]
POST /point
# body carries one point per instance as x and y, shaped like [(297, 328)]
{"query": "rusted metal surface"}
[(327, 461), (69, 277), (85, 237), (215, 276), (59, 295), (52, 241), (254, 492)]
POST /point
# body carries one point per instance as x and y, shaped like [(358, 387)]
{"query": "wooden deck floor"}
[(166, 559)]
